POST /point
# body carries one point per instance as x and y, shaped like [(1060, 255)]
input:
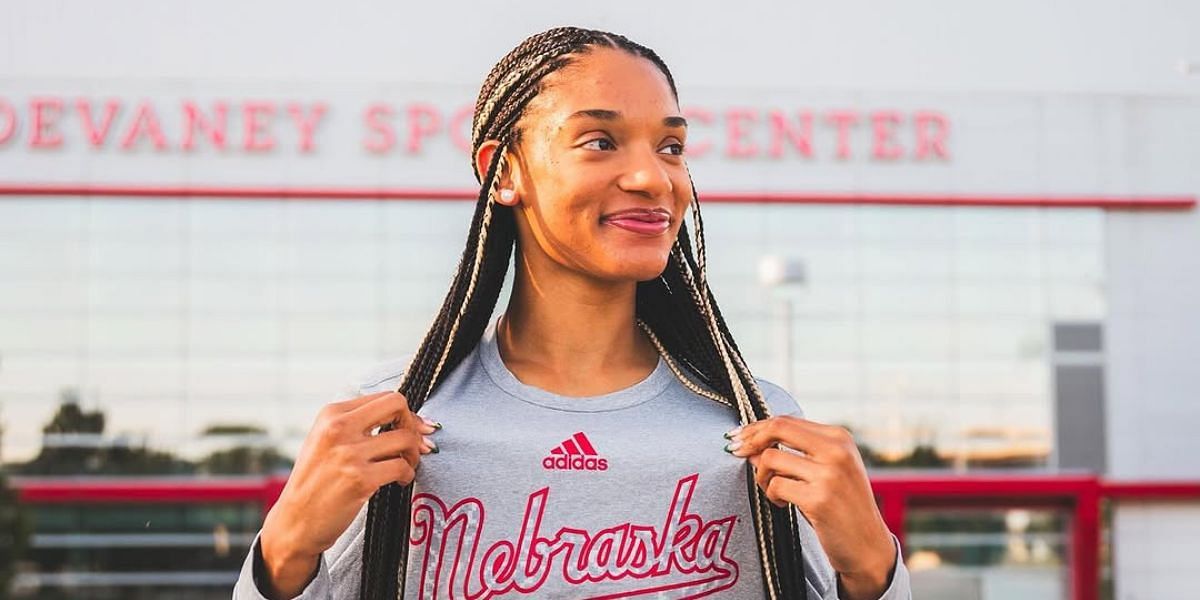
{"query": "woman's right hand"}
[(340, 465)]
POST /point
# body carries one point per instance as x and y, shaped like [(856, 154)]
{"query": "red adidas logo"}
[(576, 453)]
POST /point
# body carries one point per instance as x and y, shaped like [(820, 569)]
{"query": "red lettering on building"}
[(460, 128), (735, 143), (145, 124), (194, 119), (696, 115), (423, 121), (255, 138), (96, 133), (306, 122), (781, 129), (932, 129), (45, 113), (883, 146), (843, 120), (738, 132), (9, 115), (378, 121)]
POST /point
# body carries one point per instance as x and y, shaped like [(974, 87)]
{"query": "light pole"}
[(773, 272)]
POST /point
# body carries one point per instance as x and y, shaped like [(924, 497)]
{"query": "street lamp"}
[(777, 271)]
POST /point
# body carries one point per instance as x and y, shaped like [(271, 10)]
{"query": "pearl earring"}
[(507, 195)]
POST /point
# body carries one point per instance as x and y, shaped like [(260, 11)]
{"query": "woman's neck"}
[(575, 349)]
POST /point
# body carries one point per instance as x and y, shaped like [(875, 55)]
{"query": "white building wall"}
[(1155, 556), (1153, 344), (1088, 46)]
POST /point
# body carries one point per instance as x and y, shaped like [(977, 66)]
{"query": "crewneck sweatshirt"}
[(532, 494)]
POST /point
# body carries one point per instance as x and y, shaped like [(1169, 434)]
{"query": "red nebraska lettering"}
[(685, 558)]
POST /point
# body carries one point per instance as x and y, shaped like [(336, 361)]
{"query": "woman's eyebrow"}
[(605, 114)]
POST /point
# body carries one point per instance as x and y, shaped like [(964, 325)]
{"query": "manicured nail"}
[(432, 423), (731, 446), (432, 446), (732, 432)]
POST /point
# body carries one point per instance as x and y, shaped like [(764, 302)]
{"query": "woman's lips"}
[(638, 226)]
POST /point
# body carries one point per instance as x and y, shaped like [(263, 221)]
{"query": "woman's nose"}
[(645, 173)]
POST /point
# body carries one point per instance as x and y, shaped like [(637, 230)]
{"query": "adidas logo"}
[(576, 453)]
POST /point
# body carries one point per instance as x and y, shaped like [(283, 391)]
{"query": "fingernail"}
[(432, 423), (732, 432), (731, 446), (432, 446)]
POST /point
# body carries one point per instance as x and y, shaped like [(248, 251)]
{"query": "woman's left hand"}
[(829, 484)]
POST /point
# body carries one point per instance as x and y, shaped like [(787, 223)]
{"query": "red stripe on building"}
[(268, 192)]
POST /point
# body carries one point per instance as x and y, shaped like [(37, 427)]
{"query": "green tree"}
[(922, 455), (244, 458), (16, 526), (89, 453)]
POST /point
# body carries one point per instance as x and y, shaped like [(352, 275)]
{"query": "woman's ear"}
[(505, 182)]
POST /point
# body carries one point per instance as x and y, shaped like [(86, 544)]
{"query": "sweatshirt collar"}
[(649, 387)]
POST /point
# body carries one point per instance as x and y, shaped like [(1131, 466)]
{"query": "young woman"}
[(602, 437)]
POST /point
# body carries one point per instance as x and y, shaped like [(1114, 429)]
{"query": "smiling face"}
[(605, 135)]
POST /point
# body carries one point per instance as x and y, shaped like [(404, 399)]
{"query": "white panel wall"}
[(1154, 306), (1153, 270), (1118, 46), (1156, 551)]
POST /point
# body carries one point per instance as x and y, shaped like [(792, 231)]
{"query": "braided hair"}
[(676, 310)]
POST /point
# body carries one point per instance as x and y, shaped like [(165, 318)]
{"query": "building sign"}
[(256, 126), (412, 140)]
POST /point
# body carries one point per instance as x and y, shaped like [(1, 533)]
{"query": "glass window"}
[(26, 256), (120, 253), (50, 293), (263, 310), (131, 334), (955, 553), (919, 224)]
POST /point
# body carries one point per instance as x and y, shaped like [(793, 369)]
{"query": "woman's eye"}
[(598, 140), (678, 148)]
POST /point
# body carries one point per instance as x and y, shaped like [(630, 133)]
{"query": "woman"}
[(579, 455)]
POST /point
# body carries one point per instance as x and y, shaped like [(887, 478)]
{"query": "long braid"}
[(765, 514), (781, 521), (676, 310)]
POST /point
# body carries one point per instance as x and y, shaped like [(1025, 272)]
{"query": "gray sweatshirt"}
[(534, 495)]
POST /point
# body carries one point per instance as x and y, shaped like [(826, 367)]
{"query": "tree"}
[(923, 455), (79, 447), (74, 444), (243, 458), (16, 526)]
